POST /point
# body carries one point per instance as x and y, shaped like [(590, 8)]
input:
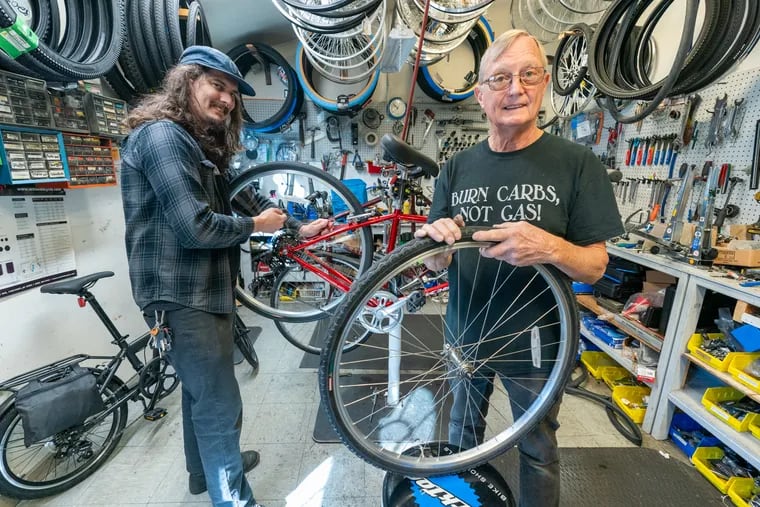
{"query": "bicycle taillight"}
[(82, 302)]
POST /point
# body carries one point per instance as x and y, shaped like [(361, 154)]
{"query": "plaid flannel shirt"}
[(182, 242)]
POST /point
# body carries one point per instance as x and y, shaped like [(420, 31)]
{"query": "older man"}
[(546, 201)]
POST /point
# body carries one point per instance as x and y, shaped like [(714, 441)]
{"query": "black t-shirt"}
[(553, 184)]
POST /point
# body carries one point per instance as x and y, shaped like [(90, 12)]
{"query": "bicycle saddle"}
[(398, 151), (75, 285)]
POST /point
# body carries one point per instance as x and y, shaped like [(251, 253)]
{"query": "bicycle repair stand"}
[(482, 486)]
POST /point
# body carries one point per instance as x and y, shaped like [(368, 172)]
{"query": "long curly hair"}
[(172, 102)]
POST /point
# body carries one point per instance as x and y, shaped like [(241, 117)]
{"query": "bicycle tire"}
[(342, 104), (161, 33), (17, 484), (243, 56), (480, 38), (333, 11), (300, 334), (548, 321), (255, 286), (44, 61), (324, 25), (148, 56), (176, 42), (244, 344)]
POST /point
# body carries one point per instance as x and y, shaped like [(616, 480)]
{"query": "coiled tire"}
[(46, 62), (245, 57), (343, 104), (480, 38)]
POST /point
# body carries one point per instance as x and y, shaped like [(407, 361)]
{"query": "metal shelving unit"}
[(675, 388)]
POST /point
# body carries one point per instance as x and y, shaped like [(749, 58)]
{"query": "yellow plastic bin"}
[(594, 361), (714, 395), (719, 364), (741, 490), (754, 428), (737, 366), (615, 376), (700, 459), (632, 400)]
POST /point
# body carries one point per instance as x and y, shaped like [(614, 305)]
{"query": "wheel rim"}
[(574, 103), (266, 256), (379, 430)]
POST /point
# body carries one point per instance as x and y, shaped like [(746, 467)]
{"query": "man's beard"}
[(217, 129)]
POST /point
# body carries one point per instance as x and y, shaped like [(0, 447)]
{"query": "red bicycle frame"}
[(327, 273)]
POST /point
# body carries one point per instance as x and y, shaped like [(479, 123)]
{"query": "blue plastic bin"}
[(357, 186), (683, 422)]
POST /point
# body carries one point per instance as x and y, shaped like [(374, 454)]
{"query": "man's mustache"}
[(224, 107)]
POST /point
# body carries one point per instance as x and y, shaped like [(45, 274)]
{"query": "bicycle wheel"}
[(244, 344), (501, 338), (56, 464), (307, 193), (308, 335)]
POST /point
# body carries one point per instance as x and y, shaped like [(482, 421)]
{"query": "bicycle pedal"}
[(155, 414)]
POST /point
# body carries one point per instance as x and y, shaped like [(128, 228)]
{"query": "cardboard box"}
[(653, 287), (742, 258), (687, 234), (659, 277), (741, 308)]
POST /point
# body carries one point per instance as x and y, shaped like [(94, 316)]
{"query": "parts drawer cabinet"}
[(31, 156), (105, 115), (90, 159)]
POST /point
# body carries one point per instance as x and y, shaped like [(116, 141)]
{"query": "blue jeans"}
[(539, 456), (212, 410)]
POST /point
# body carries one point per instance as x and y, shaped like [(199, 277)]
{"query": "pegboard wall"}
[(455, 127), (736, 152)]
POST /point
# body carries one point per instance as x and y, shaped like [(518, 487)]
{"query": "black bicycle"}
[(54, 464)]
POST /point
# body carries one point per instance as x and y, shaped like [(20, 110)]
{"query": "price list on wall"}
[(35, 239)]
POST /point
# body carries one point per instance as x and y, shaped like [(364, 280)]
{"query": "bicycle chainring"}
[(376, 317), (158, 374)]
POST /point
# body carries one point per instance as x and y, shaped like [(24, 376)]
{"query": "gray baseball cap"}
[(214, 59)]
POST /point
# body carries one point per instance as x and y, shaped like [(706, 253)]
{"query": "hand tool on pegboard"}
[(714, 134), (430, 120), (332, 130), (754, 179), (313, 131), (675, 225), (301, 132), (728, 210), (701, 250), (687, 120)]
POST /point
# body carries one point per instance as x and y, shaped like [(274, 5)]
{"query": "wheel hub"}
[(458, 365)]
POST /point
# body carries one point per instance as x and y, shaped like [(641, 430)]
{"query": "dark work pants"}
[(539, 456)]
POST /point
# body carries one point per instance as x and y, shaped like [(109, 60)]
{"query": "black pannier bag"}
[(47, 407)]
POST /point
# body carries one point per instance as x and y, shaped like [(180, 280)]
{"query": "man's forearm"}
[(581, 263)]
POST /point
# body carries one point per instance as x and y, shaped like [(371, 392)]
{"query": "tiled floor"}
[(281, 404)]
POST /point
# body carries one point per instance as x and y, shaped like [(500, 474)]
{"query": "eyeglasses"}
[(528, 77)]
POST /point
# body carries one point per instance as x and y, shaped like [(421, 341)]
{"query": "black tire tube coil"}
[(244, 59)]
